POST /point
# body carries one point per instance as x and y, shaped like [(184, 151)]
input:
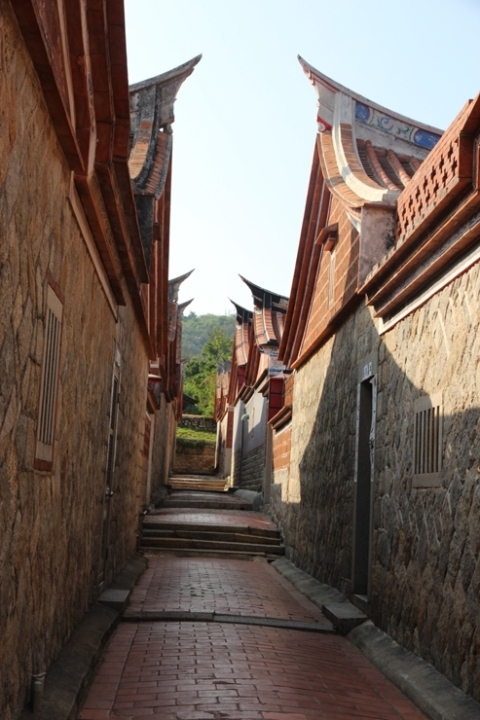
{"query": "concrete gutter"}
[(213, 617), (436, 696)]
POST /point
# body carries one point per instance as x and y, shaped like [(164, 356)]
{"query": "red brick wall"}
[(288, 389), (281, 449), (345, 276)]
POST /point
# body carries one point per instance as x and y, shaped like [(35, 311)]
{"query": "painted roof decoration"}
[(268, 317), (368, 153), (151, 117)]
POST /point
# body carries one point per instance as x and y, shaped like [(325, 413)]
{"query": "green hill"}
[(198, 329)]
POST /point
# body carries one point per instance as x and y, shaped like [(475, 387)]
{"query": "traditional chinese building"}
[(255, 391), (85, 176), (376, 482)]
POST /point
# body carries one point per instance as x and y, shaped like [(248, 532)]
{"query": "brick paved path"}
[(202, 671), (209, 670), (226, 586)]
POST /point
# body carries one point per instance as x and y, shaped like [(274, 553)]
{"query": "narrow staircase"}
[(195, 539), (198, 524), (197, 482)]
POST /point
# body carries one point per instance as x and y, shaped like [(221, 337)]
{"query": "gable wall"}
[(345, 277)]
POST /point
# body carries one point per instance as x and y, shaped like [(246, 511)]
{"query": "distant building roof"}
[(269, 316), (173, 306), (243, 323), (151, 116)]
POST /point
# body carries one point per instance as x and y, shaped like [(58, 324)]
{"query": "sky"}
[(244, 130)]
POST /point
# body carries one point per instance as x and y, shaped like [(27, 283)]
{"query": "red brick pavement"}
[(205, 671), (233, 587)]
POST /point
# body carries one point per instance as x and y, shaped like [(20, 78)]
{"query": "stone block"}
[(115, 598), (344, 616)]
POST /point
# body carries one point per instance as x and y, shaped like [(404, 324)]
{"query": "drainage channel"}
[(212, 617)]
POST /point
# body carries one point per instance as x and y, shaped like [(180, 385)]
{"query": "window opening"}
[(427, 445), (49, 382)]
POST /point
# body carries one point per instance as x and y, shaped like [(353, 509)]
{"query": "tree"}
[(201, 370), (196, 331)]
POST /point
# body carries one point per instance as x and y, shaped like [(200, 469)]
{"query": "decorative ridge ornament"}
[(366, 111), (368, 154)]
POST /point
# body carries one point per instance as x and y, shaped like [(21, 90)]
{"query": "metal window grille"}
[(427, 447), (48, 392)]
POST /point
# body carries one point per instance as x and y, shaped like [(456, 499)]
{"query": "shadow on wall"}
[(383, 496)]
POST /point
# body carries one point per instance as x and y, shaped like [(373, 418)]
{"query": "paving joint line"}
[(213, 617)]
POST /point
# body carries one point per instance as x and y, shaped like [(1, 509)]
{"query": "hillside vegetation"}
[(212, 337), (197, 329)]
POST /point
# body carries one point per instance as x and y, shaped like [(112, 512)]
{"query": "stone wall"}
[(315, 509), (194, 457), (51, 522), (424, 570), (426, 566), (162, 451), (249, 471)]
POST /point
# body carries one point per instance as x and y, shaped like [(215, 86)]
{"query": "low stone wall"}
[(249, 471), (194, 457), (199, 422)]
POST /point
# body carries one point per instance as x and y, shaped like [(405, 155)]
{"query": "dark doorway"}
[(362, 520), (109, 472)]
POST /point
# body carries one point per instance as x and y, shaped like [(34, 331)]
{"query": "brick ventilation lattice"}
[(428, 188)]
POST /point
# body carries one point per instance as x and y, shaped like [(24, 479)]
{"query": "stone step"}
[(200, 527), (214, 504), (200, 485), (176, 543), (225, 554), (212, 535)]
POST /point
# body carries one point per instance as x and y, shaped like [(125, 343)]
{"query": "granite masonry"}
[(75, 345)]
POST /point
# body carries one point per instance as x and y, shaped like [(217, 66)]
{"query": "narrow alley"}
[(208, 635)]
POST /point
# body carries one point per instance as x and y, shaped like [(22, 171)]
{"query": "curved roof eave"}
[(318, 78), (392, 145), (151, 110)]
